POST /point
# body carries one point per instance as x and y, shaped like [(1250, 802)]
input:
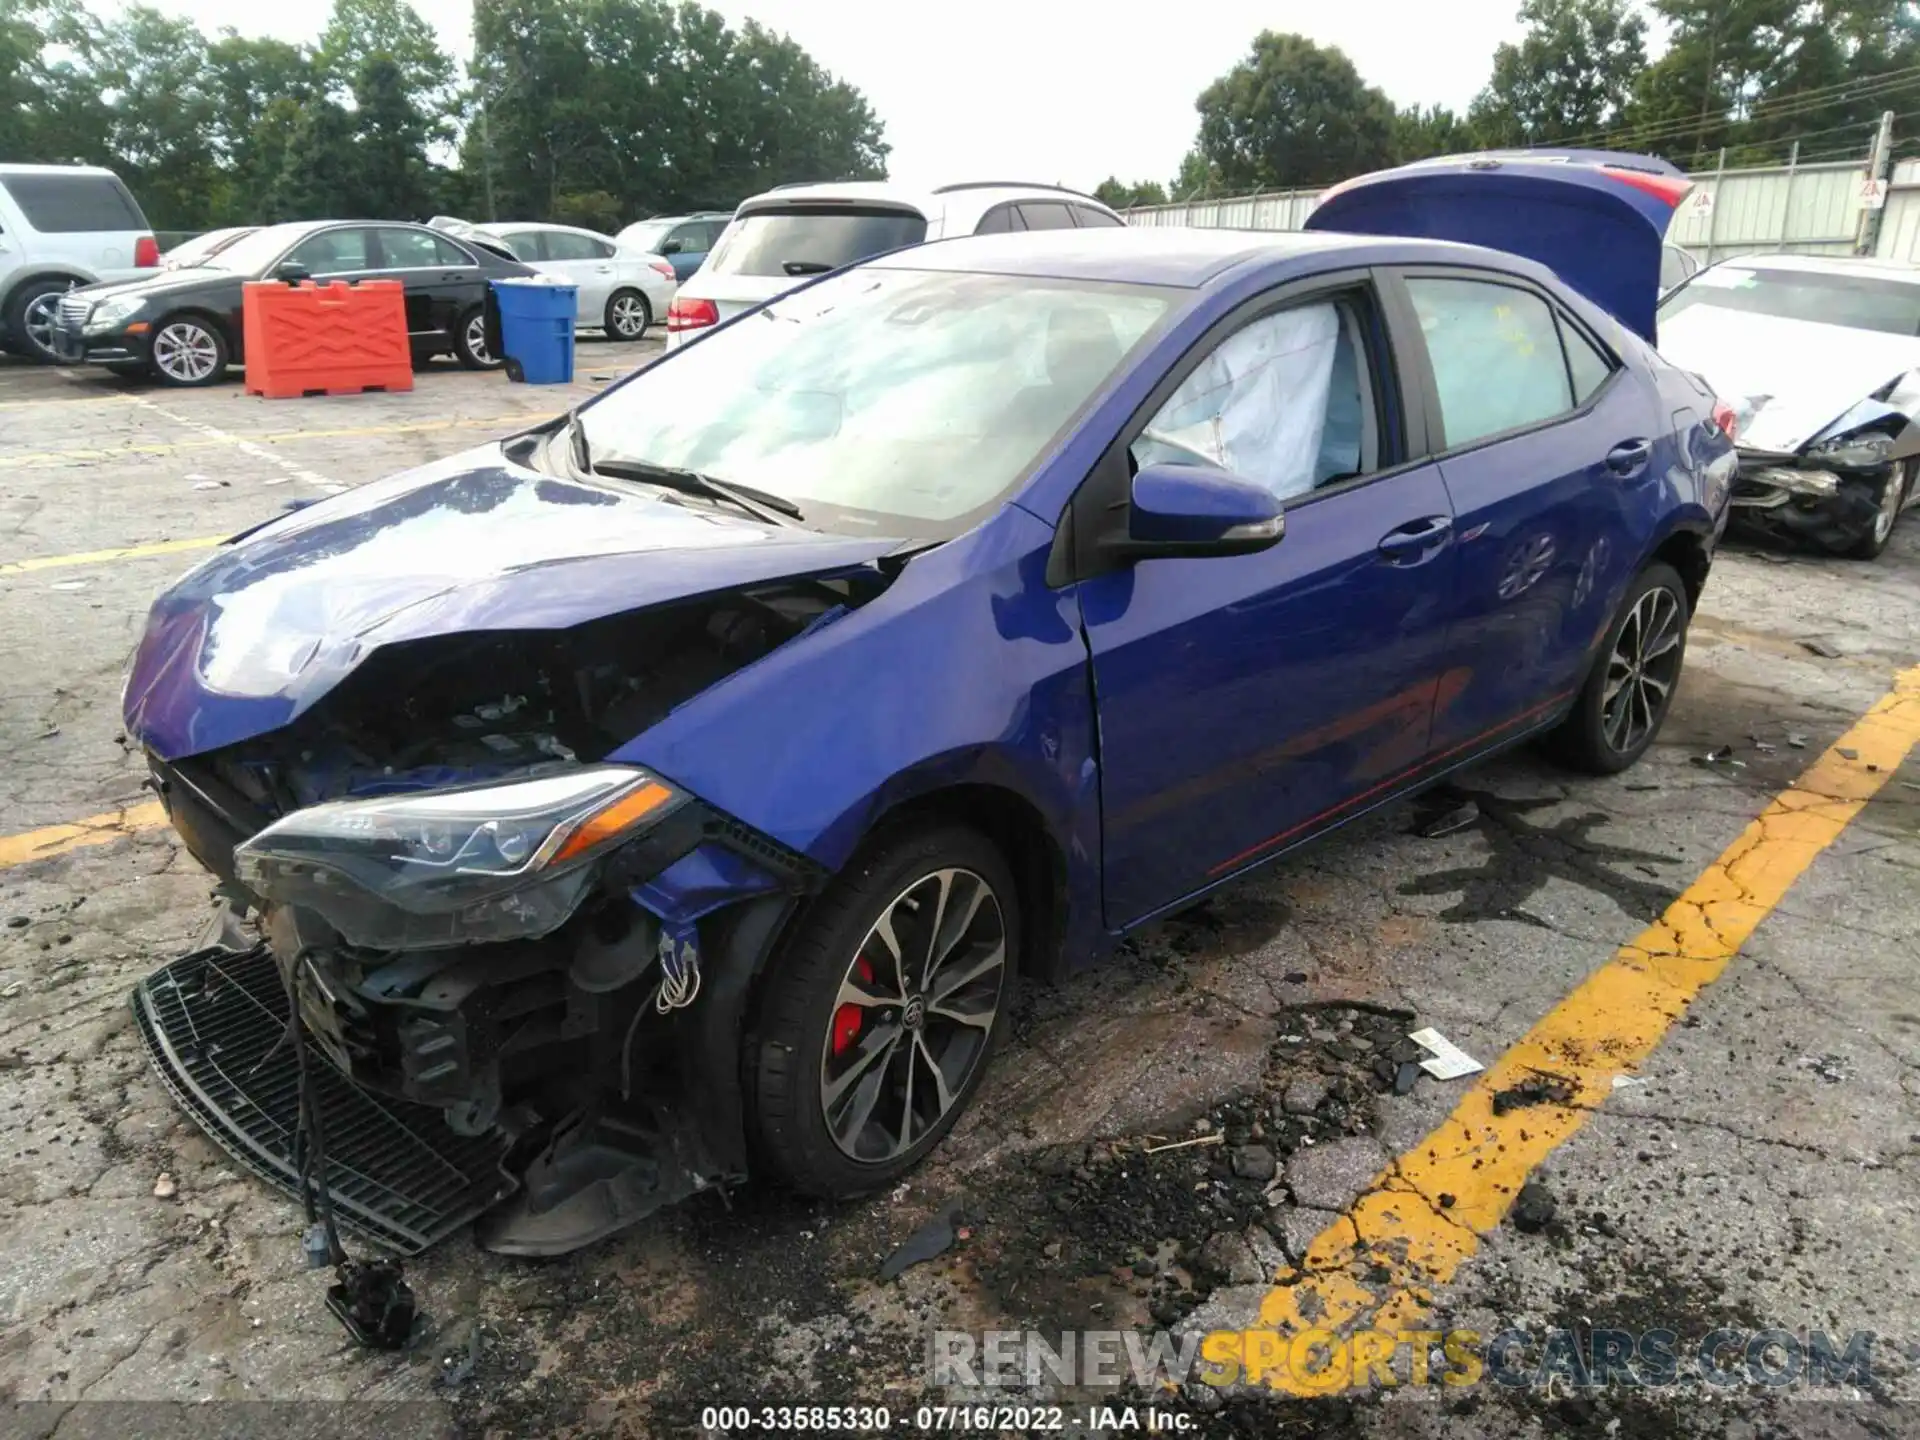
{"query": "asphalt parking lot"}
[(1694, 985)]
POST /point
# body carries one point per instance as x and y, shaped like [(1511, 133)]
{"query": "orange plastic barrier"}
[(334, 339)]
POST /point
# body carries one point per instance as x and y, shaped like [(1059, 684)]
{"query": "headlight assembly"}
[(1854, 452), (109, 314), (454, 867)]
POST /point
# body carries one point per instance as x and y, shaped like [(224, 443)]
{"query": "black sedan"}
[(183, 326)]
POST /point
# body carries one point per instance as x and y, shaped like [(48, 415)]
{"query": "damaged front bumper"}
[(557, 1088), (1803, 498)]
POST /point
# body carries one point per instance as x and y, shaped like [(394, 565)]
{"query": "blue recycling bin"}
[(536, 329)]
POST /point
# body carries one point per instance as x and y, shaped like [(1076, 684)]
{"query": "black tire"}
[(800, 1012), (1591, 739), (470, 342), (621, 321), (1891, 499), (22, 329), (188, 352)]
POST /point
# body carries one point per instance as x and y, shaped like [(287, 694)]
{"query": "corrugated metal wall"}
[(1810, 208)]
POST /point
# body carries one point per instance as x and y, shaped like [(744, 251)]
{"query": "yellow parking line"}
[(1378, 1268), (101, 557), (40, 458), (94, 830)]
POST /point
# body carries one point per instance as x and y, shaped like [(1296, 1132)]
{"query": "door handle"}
[(1629, 457), (1417, 539)]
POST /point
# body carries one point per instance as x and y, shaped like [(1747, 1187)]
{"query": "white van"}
[(62, 226)]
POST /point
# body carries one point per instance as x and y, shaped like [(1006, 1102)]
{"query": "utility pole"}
[(1880, 172), (486, 165)]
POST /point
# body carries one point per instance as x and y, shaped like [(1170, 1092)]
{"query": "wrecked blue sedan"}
[(677, 791)]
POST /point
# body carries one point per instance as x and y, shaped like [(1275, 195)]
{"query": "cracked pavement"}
[(1760, 1172)]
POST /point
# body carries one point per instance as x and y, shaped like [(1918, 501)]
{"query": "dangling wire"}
[(310, 1139)]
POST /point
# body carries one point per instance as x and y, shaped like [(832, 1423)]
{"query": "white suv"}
[(61, 226), (779, 239)]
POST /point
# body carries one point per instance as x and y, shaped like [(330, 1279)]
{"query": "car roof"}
[(1156, 255), (24, 170), (1882, 268), (926, 200)]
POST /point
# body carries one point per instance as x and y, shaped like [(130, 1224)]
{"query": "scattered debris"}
[(456, 1372), (1214, 1138), (164, 1188), (11, 991), (1447, 822), (1845, 753), (211, 485), (1304, 1095), (1534, 1208), (1254, 1162), (1720, 755), (1332, 1176), (69, 585), (1449, 1061), (1545, 1089), (1405, 1078), (1825, 649), (1830, 1068), (1622, 1082), (929, 1242), (1796, 741)]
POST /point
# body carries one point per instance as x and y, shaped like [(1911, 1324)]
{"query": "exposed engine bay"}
[(561, 1039)]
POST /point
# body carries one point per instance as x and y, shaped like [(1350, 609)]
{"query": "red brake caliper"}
[(848, 1019)]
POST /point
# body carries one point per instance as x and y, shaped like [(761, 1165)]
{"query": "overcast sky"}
[(1059, 90)]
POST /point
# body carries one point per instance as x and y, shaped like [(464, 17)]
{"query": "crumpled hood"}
[(276, 618), (1810, 374)]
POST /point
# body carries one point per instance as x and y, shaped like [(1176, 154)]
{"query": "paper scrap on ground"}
[(1449, 1061)]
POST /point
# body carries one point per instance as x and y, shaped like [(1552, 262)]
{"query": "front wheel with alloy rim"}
[(470, 346), (1891, 496), (628, 315), (1630, 689), (880, 1015), (188, 351)]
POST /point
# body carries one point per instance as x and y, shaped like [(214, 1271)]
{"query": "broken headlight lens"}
[(1854, 452), (453, 867)]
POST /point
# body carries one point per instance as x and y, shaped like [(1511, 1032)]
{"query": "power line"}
[(1783, 108)]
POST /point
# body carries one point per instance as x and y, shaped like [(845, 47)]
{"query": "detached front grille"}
[(74, 310), (215, 1026)]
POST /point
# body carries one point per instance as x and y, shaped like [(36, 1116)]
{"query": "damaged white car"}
[(1820, 359)]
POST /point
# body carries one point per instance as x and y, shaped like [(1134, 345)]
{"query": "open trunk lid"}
[(1595, 218)]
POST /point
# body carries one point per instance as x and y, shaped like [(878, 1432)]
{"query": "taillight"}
[(661, 268), (146, 252), (1726, 421), (685, 314)]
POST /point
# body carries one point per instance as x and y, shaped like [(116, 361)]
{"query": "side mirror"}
[(292, 272), (1194, 511), (671, 247)]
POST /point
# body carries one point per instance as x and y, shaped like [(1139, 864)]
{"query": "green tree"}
[(1119, 195), (319, 178), (359, 30), (153, 70), (394, 181), (1571, 76), (1419, 134), (1293, 114), (259, 88), (1198, 178)]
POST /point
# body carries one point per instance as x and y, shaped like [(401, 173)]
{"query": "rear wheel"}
[(628, 315), (30, 318), (876, 1028), (1626, 698), (189, 351), (470, 346)]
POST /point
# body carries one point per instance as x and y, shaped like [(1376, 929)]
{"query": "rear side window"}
[(1088, 217), (74, 204), (1496, 356), (333, 252), (565, 245), (809, 241), (998, 221), (1046, 215), (1588, 367), (525, 245), (418, 250)]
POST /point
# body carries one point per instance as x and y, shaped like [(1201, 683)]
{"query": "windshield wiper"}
[(774, 509)]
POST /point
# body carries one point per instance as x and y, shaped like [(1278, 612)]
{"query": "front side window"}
[(333, 252), (1090, 218), (1286, 402), (1496, 356), (1045, 215), (884, 401)]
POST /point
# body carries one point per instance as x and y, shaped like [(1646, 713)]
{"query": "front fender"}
[(969, 670)]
